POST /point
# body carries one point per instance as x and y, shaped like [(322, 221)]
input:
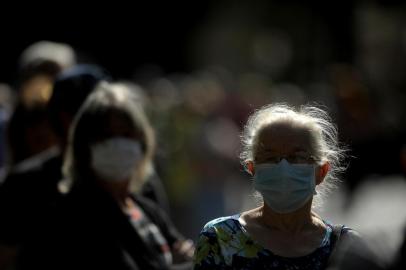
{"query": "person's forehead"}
[(288, 136), (119, 125)]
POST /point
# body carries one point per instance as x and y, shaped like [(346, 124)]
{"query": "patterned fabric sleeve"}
[(208, 252)]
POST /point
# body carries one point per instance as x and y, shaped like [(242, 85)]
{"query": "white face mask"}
[(115, 159), (285, 187)]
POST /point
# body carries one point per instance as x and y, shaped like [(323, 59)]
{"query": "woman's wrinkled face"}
[(293, 142)]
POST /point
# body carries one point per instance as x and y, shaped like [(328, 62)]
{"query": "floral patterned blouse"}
[(224, 244)]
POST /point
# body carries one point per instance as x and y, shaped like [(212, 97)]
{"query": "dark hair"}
[(70, 90)]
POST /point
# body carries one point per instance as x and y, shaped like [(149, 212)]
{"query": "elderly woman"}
[(103, 223), (293, 155)]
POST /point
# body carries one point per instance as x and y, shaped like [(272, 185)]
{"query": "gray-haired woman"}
[(292, 155)]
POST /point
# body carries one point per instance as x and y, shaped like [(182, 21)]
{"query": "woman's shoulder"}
[(344, 237), (223, 223), (343, 231), (351, 249), (219, 241), (351, 237)]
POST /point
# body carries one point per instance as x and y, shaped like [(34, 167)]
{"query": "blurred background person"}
[(31, 186), (104, 222), (33, 183), (27, 133), (29, 130)]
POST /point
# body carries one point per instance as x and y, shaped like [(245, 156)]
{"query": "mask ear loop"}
[(318, 165)]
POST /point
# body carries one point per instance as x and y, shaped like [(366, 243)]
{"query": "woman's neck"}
[(294, 222), (117, 190)]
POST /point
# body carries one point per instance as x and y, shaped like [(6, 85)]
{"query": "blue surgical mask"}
[(285, 187)]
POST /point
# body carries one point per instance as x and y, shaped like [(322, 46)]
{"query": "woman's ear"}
[(249, 167), (321, 172)]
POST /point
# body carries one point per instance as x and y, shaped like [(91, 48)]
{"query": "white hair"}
[(326, 146)]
